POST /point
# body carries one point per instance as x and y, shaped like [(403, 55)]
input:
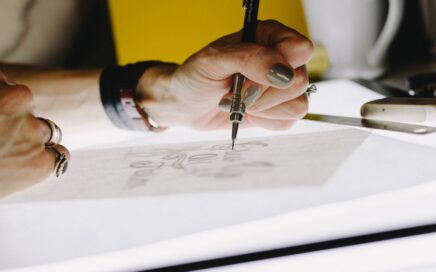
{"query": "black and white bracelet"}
[(117, 92)]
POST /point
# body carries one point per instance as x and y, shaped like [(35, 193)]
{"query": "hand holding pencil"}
[(197, 93)]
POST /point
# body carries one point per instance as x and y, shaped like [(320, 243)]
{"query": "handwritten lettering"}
[(217, 162)]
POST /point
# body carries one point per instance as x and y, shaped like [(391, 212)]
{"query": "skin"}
[(24, 158), (189, 94), (174, 95)]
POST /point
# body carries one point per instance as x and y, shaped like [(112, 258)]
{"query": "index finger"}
[(15, 99), (295, 48), (292, 45)]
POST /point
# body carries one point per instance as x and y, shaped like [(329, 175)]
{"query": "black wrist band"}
[(117, 88)]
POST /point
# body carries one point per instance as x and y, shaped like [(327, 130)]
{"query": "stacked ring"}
[(55, 132), (311, 89), (61, 164), (61, 160)]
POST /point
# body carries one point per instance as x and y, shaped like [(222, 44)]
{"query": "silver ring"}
[(55, 132), (61, 163), (311, 89)]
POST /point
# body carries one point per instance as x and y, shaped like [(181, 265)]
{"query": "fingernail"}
[(251, 95), (280, 75), (225, 104)]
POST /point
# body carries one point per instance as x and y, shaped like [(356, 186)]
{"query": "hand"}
[(189, 95), (24, 158)]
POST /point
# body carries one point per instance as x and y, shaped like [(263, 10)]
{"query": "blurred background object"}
[(67, 33), (356, 34), (84, 33), (97, 33), (29, 33), (409, 54), (428, 8), (172, 30)]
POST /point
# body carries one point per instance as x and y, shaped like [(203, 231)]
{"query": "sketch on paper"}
[(195, 161), (299, 160)]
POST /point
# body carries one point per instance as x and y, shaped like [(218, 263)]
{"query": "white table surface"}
[(400, 208)]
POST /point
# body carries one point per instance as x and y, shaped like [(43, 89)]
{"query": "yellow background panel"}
[(171, 30)]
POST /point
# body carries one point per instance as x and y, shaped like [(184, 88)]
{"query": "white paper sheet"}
[(300, 161), (280, 161)]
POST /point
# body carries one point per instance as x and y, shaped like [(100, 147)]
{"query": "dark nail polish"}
[(280, 75), (251, 95), (225, 104)]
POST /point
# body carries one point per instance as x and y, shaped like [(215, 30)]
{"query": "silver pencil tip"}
[(235, 127)]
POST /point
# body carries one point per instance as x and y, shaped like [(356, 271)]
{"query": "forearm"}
[(47, 81), (71, 98)]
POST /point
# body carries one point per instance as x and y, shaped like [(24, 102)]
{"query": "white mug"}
[(354, 33)]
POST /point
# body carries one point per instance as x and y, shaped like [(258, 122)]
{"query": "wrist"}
[(118, 85), (154, 84), (153, 93)]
